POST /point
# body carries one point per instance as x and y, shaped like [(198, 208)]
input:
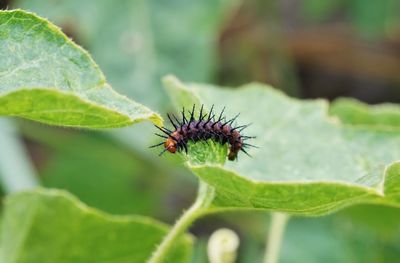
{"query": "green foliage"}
[(45, 77), (320, 10), (97, 171), (209, 152), (306, 163), (52, 226), (353, 112), (358, 234), (138, 42), (371, 19)]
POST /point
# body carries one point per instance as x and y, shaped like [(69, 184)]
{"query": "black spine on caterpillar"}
[(202, 129)]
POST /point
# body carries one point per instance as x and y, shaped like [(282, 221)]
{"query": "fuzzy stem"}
[(203, 200), (275, 237)]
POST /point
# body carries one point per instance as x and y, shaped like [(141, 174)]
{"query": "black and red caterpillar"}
[(206, 127)]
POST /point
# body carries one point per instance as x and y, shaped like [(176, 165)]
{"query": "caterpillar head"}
[(171, 145), (232, 155)]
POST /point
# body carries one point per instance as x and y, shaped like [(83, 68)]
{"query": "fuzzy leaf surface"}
[(46, 77), (307, 163), (53, 226)]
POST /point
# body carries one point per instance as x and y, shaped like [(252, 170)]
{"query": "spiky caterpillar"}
[(206, 127)]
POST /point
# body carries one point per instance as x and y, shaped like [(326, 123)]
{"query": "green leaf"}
[(206, 152), (350, 111), (360, 234), (318, 11), (373, 20), (383, 221), (109, 182), (46, 77), (137, 42), (53, 226), (306, 163)]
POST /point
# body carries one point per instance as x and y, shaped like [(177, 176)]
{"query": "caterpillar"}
[(205, 127)]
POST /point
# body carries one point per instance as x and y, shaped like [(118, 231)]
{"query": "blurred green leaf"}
[(53, 226), (45, 77), (374, 18), (350, 111), (383, 221), (306, 162), (104, 174), (316, 10), (371, 19), (200, 251), (314, 240), (348, 236), (118, 182)]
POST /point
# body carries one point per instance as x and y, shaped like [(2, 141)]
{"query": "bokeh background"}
[(306, 48)]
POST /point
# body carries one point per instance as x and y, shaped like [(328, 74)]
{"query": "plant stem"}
[(275, 236), (204, 198), (16, 170)]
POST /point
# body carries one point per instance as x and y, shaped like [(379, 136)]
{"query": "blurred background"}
[(306, 48)]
